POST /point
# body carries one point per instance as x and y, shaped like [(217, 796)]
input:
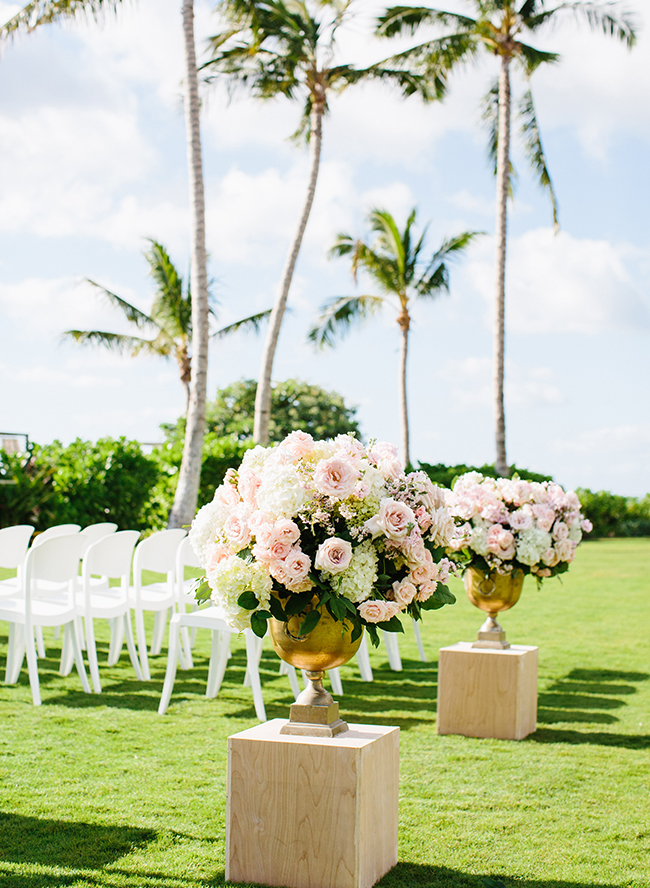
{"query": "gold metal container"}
[(492, 592), (327, 646)]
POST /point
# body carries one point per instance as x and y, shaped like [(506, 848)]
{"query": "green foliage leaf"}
[(246, 555), (248, 600), (296, 604), (310, 622), (277, 610), (444, 594), (201, 590), (356, 631), (392, 625), (374, 635), (258, 622)]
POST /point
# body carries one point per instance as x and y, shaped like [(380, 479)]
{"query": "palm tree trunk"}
[(404, 325), (263, 395), (190, 473), (503, 179)]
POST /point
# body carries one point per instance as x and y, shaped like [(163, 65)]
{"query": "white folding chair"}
[(56, 530), (13, 548), (108, 557), (186, 557), (212, 618), (56, 561), (95, 532), (156, 553)]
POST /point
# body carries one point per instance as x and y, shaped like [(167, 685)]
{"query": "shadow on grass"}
[(66, 844), (413, 875), (584, 696)]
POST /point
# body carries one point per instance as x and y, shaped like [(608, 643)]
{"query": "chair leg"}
[(32, 668), (418, 640), (142, 645), (81, 637), (15, 653), (159, 626), (258, 644), (335, 679), (363, 660), (130, 644), (78, 658), (67, 655), (40, 642), (172, 660), (218, 662), (253, 653), (91, 650), (117, 640), (186, 646), (392, 650), (290, 671)]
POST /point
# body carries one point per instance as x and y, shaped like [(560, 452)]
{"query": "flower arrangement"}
[(509, 524), (328, 524)]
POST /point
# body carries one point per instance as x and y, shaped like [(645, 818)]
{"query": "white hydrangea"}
[(356, 582), (206, 526), (532, 543), (256, 458), (232, 577), (478, 540), (281, 493)]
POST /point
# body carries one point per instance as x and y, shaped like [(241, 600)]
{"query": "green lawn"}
[(101, 791)]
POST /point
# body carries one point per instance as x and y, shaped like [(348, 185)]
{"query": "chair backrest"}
[(13, 544), (157, 552), (185, 557), (56, 531), (110, 556), (56, 560), (95, 532)]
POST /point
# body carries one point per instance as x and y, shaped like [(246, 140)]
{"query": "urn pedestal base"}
[(487, 692), (312, 812)]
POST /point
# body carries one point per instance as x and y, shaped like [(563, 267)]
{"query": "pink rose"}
[(216, 553), (549, 557), (566, 550), (545, 516), (586, 525), (334, 555), (390, 467), (237, 531), (423, 518), (227, 494), (249, 484), (278, 572), (425, 591), (501, 542), (422, 573), (520, 520), (560, 531), (404, 592), (286, 530), (394, 519), (378, 611), (542, 572), (336, 477), (298, 444), (297, 565), (264, 534)]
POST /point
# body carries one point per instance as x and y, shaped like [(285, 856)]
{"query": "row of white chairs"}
[(48, 591)]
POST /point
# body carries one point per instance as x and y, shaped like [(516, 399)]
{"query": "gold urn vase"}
[(327, 646), (492, 592)]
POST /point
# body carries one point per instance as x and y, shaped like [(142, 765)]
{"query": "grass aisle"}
[(101, 791)]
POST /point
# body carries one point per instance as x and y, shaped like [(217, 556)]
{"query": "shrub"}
[(444, 475), (27, 492), (613, 515)]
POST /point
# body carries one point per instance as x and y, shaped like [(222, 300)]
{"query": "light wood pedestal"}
[(312, 812), (487, 693)]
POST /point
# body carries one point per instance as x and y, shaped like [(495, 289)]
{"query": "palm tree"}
[(281, 47), (42, 12), (396, 264), (169, 322), (498, 28)]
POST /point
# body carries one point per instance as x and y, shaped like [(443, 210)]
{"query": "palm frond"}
[(114, 341), (131, 313), (532, 58), (250, 323), (44, 12), (435, 277), (172, 309), (607, 17), (339, 315), (407, 19), (490, 116), (534, 150)]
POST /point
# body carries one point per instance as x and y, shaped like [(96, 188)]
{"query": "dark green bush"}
[(444, 475), (613, 515), (27, 491)]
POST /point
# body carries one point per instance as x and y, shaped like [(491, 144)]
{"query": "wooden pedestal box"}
[(487, 693), (312, 812)]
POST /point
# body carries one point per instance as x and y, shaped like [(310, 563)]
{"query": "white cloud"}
[(470, 385), (608, 440), (562, 284)]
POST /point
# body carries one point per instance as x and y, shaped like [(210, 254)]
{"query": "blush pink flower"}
[(566, 550), (286, 530), (425, 591), (333, 555), (297, 565), (422, 573), (586, 525), (248, 485), (298, 444), (501, 542), (378, 611), (216, 553), (520, 520), (227, 494), (336, 477), (404, 592), (560, 531), (394, 519), (550, 557), (423, 518), (237, 531), (544, 515)]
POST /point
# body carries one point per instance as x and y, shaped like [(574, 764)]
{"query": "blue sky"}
[(92, 162)]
